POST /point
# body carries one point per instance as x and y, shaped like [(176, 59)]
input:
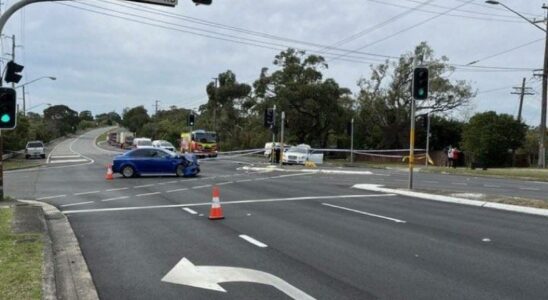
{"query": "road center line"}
[(142, 186), (86, 193), (253, 241), (365, 213), (115, 198), (228, 202), (201, 186), (244, 180), (491, 186), (459, 183), (224, 183), (51, 197), (147, 194), (177, 190), (118, 189), (75, 204), (530, 189), (430, 181), (190, 211), (291, 175), (261, 178)]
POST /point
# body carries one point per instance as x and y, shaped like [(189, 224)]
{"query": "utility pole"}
[(273, 127), (427, 139), (352, 140), (282, 125), (216, 80), (542, 128), (156, 106), (521, 91)]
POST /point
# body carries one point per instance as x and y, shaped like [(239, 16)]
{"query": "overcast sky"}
[(104, 63)]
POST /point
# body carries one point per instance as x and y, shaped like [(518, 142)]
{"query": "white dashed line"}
[(115, 198), (190, 211), (530, 189), (86, 193), (201, 186), (171, 182), (147, 194), (491, 186), (291, 175), (364, 213), (244, 180), (253, 241), (142, 186), (51, 197), (262, 178), (75, 204), (177, 190), (224, 183), (430, 181), (459, 183), (118, 189)]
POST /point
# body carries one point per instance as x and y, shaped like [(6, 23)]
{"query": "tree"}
[(86, 115), (108, 118), (135, 118), (60, 119), (385, 100), (17, 138), (490, 137)]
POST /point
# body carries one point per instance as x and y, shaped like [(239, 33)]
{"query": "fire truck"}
[(200, 142)]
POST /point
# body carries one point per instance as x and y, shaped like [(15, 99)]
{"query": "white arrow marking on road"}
[(209, 277)]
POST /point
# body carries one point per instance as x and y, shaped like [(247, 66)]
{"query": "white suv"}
[(35, 149)]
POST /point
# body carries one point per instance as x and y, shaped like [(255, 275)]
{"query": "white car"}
[(164, 145), (296, 155), (35, 149), (142, 142)]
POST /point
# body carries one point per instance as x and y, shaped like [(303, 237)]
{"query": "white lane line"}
[(530, 189), (253, 241), (65, 156), (262, 178), (147, 194), (459, 183), (430, 181), (177, 190), (187, 180), (190, 211), (201, 186), (67, 161), (244, 180), (118, 189), (51, 197), (491, 186), (227, 203), (86, 193), (75, 204), (224, 183), (291, 175), (365, 213), (115, 198), (143, 186), (171, 182)]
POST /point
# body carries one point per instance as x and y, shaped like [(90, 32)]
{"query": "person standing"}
[(450, 156)]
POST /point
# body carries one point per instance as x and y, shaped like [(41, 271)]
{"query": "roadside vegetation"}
[(516, 173), (20, 261)]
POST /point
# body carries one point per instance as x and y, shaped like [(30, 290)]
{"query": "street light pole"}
[(27, 83)]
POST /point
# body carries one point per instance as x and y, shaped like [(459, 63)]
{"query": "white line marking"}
[(118, 189), (201, 186), (66, 156), (227, 202), (171, 182), (75, 204), (430, 181), (85, 193), (253, 241), (459, 183), (190, 211), (67, 161), (115, 198), (530, 189), (51, 197), (262, 178), (142, 186), (491, 186), (365, 213), (147, 194), (244, 180), (291, 175), (177, 190), (224, 183)]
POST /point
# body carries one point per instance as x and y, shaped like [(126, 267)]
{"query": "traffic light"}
[(8, 108), (12, 72), (269, 118), (420, 83), (191, 119), (203, 2)]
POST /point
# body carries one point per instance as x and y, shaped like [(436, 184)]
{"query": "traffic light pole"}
[(412, 144), (352, 140), (427, 140), (282, 125), (273, 150)]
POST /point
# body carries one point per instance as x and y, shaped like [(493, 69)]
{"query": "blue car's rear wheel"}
[(128, 171), (180, 171)]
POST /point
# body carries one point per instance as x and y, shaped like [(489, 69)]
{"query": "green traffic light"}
[(5, 118), (421, 92)]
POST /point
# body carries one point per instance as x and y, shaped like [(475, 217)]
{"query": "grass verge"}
[(515, 173), (20, 261), (17, 163)]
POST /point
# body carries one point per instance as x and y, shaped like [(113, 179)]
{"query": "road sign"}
[(171, 3), (209, 277)]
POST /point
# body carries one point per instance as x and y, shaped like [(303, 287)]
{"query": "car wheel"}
[(27, 156), (128, 171), (180, 171)]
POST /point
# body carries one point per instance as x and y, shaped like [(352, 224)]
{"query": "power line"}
[(505, 51), (470, 11)]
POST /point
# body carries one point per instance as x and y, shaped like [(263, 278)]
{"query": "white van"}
[(142, 142)]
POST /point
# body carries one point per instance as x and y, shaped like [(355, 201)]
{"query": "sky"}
[(107, 54)]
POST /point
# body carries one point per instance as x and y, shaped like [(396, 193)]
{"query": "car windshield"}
[(166, 144), (206, 137), (144, 143), (35, 145), (298, 150)]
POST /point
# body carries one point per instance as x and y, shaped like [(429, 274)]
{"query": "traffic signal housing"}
[(269, 118), (12, 72), (8, 108), (191, 120), (420, 83)]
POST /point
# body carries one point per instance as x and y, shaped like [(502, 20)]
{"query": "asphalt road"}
[(314, 233)]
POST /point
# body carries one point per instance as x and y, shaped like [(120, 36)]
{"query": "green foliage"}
[(14, 139), (489, 137), (86, 115), (108, 118), (60, 120), (86, 124), (135, 118)]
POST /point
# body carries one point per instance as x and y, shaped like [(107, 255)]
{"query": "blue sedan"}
[(155, 161)]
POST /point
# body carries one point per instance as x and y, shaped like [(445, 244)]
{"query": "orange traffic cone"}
[(109, 176), (216, 212)]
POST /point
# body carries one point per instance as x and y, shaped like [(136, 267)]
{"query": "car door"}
[(142, 159), (161, 162)]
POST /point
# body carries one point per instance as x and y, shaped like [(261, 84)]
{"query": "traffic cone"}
[(216, 212), (109, 174)]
